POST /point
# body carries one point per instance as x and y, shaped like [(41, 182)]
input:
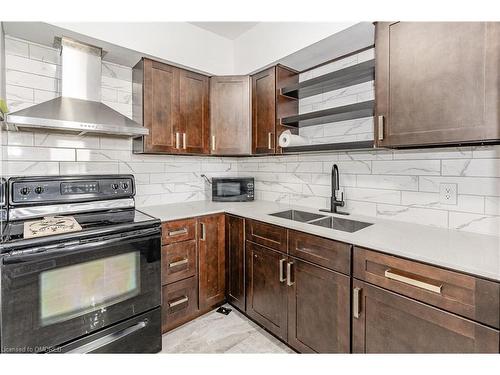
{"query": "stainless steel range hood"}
[(79, 108)]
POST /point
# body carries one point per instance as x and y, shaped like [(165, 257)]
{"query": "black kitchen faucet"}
[(335, 201)]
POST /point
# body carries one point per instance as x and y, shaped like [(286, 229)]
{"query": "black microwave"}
[(232, 189)]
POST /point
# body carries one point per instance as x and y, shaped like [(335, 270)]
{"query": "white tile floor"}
[(218, 333)]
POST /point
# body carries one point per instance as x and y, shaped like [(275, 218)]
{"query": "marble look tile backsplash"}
[(397, 185), (33, 76)]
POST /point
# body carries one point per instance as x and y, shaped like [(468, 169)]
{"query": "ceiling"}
[(229, 30)]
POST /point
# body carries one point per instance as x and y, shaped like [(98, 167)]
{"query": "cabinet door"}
[(385, 322), (264, 111), (230, 115), (194, 112), (267, 290), (318, 309), (235, 261), (160, 106), (212, 260), (437, 82)]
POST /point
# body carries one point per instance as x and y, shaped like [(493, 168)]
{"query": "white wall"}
[(271, 41), (189, 45), (179, 42)]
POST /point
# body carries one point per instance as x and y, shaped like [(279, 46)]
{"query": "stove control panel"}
[(61, 189)]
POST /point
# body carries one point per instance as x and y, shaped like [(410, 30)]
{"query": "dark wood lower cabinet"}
[(267, 290), (318, 309), (385, 322), (212, 272), (235, 261)]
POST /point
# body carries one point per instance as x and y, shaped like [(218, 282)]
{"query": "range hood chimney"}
[(79, 108)]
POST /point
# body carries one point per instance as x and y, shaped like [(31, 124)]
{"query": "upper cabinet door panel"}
[(264, 111), (161, 106), (437, 82), (230, 115), (194, 112)]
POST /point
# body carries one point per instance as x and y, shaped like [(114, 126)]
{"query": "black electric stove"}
[(96, 289)]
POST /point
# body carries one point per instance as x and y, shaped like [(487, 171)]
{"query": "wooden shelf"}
[(358, 145), (346, 112), (353, 75)]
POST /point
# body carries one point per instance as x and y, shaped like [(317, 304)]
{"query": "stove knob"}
[(25, 190), (39, 190), (114, 186), (124, 185)]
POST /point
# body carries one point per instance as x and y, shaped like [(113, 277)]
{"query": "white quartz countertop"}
[(471, 253)]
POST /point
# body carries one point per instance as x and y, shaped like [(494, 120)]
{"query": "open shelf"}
[(346, 112), (351, 146), (338, 79)]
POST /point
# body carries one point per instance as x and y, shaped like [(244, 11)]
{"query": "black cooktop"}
[(93, 224)]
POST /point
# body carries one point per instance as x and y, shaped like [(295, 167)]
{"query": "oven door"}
[(55, 296), (231, 190)]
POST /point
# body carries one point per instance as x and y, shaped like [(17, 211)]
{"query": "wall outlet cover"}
[(448, 193)]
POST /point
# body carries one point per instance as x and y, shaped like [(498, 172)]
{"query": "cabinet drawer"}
[(179, 303), (464, 295), (268, 235), (327, 253), (177, 231), (178, 261), (386, 322)]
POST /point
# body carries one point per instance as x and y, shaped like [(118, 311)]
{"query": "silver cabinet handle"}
[(184, 140), (178, 263), (270, 141), (108, 339), (380, 127), (282, 269), (203, 231), (406, 279), (356, 294), (289, 281), (213, 142), (177, 140), (180, 301), (177, 232)]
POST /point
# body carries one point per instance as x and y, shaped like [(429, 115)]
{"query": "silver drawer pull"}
[(178, 232), (289, 281), (180, 301), (282, 268), (178, 263), (393, 275)]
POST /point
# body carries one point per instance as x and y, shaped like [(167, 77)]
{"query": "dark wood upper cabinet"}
[(235, 261), (155, 105), (173, 104), (264, 111), (230, 116), (437, 83), (268, 106), (385, 322), (194, 112), (318, 309), (212, 277), (267, 290)]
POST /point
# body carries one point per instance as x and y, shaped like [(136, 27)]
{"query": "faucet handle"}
[(337, 193)]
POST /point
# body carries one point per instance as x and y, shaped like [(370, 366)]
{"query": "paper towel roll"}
[(287, 139)]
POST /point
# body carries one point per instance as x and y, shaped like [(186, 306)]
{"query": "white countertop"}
[(471, 253)]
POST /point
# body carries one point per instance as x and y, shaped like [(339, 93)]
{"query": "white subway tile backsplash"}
[(18, 78), (89, 168), (438, 218), (407, 167), (465, 203), (38, 153), (30, 168), (45, 54), (373, 195), (16, 47), (30, 66), (66, 140), (472, 167), (387, 182), (475, 223), (18, 93)]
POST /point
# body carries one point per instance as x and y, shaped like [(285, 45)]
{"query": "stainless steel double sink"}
[(325, 221)]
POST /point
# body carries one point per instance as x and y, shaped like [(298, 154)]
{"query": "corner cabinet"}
[(173, 104), (437, 83), (268, 106), (230, 116)]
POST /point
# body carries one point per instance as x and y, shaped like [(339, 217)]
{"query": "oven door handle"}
[(109, 339), (48, 252)]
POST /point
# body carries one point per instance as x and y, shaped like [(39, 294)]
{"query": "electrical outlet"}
[(448, 193)]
